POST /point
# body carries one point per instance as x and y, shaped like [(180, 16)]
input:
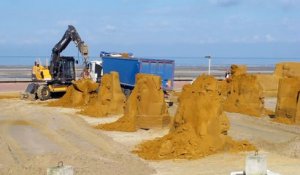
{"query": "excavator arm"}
[(70, 35)]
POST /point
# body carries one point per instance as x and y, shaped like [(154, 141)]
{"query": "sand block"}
[(60, 170), (110, 98), (297, 120), (288, 98), (269, 84), (287, 69), (145, 107), (152, 121), (245, 96)]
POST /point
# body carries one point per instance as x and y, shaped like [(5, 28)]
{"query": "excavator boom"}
[(62, 69), (70, 35)]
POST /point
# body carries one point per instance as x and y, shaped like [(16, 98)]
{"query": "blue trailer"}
[(129, 67)]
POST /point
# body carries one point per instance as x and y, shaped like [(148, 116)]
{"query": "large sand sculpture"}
[(288, 101), (145, 106), (199, 127), (110, 98)]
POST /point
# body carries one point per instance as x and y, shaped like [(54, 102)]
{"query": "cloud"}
[(110, 28), (269, 38), (265, 38), (226, 3)]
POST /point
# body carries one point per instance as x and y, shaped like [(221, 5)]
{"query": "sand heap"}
[(288, 101), (110, 98), (145, 106), (242, 93), (199, 127), (78, 94)]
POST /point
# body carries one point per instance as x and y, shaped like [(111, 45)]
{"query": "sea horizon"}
[(201, 61)]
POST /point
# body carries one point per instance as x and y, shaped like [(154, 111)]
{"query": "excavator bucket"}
[(85, 85), (30, 92)]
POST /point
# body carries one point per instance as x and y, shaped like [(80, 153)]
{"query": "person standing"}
[(34, 71)]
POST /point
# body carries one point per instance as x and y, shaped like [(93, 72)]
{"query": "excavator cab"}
[(64, 72)]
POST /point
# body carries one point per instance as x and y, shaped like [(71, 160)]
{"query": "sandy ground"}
[(279, 142), (34, 137)]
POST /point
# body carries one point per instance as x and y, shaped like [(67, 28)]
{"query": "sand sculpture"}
[(242, 93), (287, 69), (269, 82), (145, 106), (245, 96), (199, 127), (288, 103), (110, 98), (236, 70), (78, 94), (297, 118)]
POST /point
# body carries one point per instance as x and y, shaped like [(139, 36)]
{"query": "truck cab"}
[(95, 69)]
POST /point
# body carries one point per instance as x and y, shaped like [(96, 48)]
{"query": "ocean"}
[(227, 61), (179, 61)]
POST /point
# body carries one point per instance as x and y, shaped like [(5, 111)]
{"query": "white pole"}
[(209, 60)]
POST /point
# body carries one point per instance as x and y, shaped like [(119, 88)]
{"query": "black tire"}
[(43, 92)]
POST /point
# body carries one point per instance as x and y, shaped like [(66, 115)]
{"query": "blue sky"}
[(172, 28)]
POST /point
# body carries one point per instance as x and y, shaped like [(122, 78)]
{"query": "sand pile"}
[(78, 94), (110, 98), (288, 103), (145, 106), (199, 127)]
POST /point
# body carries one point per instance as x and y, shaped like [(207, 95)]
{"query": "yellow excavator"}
[(59, 75)]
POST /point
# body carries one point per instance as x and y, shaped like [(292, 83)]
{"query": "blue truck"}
[(129, 67)]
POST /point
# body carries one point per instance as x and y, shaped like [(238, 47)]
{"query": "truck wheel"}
[(43, 93)]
